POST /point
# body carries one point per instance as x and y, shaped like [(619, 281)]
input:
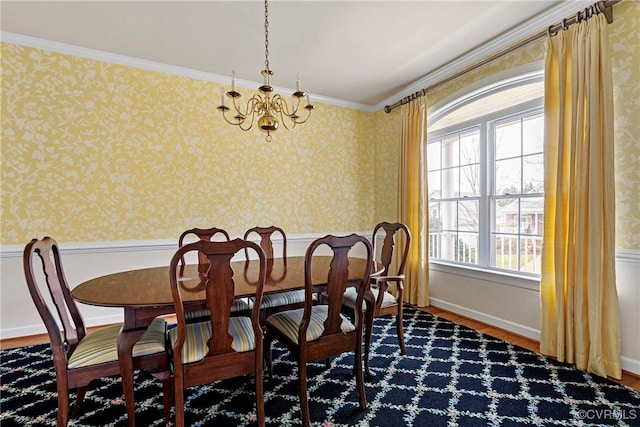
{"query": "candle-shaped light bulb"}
[(222, 96), (308, 100), (298, 82), (233, 81)]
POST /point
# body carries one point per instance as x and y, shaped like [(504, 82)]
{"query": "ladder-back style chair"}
[(240, 305), (222, 346), (273, 303), (80, 357), (320, 330), (396, 237)]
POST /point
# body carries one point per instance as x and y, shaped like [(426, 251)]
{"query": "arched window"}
[(485, 175)]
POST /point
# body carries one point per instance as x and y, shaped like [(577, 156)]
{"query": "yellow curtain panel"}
[(412, 203), (580, 313)]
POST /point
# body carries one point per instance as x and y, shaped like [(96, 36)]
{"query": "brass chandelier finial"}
[(268, 107)]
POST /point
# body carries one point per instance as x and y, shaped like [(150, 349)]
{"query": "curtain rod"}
[(604, 6)]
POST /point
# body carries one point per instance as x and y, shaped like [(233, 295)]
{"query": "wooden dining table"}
[(145, 294)]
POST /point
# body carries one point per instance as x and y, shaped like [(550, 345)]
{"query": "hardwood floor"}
[(630, 380)]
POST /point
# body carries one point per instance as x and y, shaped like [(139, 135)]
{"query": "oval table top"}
[(150, 286)]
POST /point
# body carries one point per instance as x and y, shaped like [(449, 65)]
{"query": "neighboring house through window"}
[(486, 175)]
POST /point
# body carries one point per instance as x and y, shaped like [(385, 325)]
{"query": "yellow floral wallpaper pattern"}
[(93, 151)]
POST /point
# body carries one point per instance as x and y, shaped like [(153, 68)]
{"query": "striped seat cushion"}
[(101, 346), (350, 295), (195, 345), (282, 298), (288, 322), (239, 304)]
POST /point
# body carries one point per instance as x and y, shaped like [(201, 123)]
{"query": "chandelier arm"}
[(249, 126), (299, 122), (287, 122), (226, 119), (289, 109)]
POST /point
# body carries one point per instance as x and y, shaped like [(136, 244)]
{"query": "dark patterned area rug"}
[(451, 376)]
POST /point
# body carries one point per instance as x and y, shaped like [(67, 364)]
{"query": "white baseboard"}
[(507, 325), (630, 365)]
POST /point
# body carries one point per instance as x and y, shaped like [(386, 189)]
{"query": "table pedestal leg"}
[(126, 341)]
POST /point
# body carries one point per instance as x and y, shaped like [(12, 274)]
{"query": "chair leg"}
[(369, 315), (359, 374), (400, 332), (302, 391), (178, 392), (167, 398), (79, 399), (268, 339), (259, 392), (63, 407)]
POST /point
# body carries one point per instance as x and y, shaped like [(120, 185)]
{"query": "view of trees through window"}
[(485, 180)]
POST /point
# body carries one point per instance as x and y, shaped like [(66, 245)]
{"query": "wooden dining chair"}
[(223, 346), (275, 302), (320, 330), (80, 357), (240, 305), (396, 235)]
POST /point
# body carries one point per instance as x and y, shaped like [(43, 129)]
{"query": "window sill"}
[(501, 277)]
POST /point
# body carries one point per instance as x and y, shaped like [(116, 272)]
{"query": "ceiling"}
[(363, 52)]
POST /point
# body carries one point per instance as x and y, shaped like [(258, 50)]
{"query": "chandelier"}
[(265, 106)]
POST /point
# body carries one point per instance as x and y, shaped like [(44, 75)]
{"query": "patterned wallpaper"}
[(93, 151)]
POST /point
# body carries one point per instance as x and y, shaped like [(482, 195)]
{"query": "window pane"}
[(435, 216), (468, 215), (448, 245), (467, 248), (507, 177), (515, 253), (433, 184), (450, 152), (506, 251), (449, 214), (433, 155), (533, 174), (435, 244), (531, 254), (469, 148), (435, 229), (532, 215), (470, 181), (506, 215), (533, 134), (450, 183), (507, 139)]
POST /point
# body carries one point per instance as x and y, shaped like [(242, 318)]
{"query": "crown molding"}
[(129, 61), (528, 29)]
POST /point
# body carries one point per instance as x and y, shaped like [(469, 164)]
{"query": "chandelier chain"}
[(266, 35)]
